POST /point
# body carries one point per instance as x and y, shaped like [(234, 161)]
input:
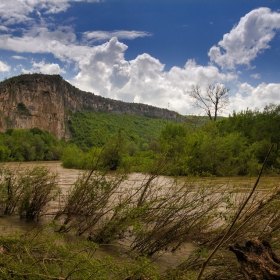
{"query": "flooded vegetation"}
[(128, 224)]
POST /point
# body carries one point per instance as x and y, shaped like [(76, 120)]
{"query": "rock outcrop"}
[(44, 101)]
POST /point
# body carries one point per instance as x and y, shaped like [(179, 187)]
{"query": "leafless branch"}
[(213, 100)]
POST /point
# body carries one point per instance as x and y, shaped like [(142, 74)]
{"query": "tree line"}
[(230, 146), (235, 145)]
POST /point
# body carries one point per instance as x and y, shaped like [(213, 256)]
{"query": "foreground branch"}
[(204, 264)]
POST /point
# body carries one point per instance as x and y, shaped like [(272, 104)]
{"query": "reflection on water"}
[(12, 224)]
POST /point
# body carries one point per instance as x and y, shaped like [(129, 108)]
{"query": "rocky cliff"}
[(44, 101)]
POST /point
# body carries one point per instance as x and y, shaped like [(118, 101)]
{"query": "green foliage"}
[(115, 154), (231, 146), (5, 153), (29, 145), (260, 129), (26, 191), (140, 161), (221, 155), (111, 155), (206, 151), (39, 255), (172, 142), (10, 191), (39, 188), (73, 157), (95, 129)]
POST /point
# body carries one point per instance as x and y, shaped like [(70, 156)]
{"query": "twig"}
[(204, 264)]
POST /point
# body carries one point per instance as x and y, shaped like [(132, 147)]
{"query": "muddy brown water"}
[(67, 177)]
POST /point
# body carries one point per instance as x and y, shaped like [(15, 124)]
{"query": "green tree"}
[(39, 146), (4, 153), (72, 157), (113, 151), (172, 143)]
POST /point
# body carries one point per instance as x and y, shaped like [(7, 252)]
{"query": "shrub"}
[(27, 191), (40, 187)]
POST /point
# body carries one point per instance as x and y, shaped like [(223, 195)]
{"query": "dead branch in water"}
[(257, 260)]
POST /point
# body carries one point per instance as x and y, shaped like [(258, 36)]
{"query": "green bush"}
[(39, 188), (73, 157), (26, 191)]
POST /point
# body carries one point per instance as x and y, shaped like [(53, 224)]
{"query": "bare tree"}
[(213, 100)]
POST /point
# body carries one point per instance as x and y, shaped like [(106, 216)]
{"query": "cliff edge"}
[(44, 101)]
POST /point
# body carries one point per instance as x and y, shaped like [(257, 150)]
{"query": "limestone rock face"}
[(44, 101)]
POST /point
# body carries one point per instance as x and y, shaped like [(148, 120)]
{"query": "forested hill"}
[(47, 101)]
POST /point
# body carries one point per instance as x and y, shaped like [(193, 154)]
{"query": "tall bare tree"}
[(213, 100)]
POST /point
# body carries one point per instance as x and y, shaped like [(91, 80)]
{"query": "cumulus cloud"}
[(4, 28), (4, 67), (99, 65), (254, 97), (142, 80), (120, 34), (45, 68), (247, 39), (103, 69)]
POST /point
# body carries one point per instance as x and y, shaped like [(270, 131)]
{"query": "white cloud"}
[(19, 57), (255, 76), (104, 70), (99, 64), (63, 34), (18, 11), (142, 80), (247, 39), (45, 41), (45, 68), (4, 28), (4, 67), (120, 34), (255, 97)]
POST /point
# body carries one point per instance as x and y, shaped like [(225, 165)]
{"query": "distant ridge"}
[(44, 101)]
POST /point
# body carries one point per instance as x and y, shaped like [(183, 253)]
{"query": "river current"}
[(66, 179)]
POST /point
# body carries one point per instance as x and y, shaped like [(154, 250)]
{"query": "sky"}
[(148, 51)]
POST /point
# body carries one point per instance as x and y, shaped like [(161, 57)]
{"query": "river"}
[(66, 179)]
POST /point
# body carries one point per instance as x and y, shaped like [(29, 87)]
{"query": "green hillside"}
[(94, 129), (231, 146)]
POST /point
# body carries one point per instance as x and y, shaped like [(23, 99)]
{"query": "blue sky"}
[(148, 51)]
